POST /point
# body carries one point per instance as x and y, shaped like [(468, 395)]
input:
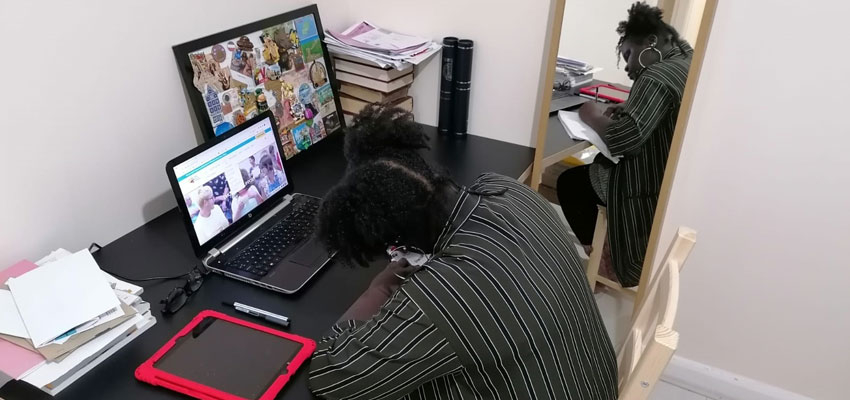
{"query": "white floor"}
[(666, 391)]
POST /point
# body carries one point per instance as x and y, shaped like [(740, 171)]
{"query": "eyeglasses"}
[(179, 296), (561, 85)]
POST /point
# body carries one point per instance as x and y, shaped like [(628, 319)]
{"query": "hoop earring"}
[(651, 47)]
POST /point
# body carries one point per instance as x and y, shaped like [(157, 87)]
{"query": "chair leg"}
[(642, 380), (599, 234)]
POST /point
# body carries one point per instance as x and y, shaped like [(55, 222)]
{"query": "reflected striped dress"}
[(642, 135)]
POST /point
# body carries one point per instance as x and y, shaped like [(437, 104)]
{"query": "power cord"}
[(153, 278)]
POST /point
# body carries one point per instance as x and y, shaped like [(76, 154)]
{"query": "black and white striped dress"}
[(642, 135), (502, 311)]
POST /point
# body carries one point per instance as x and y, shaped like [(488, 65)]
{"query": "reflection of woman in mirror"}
[(640, 132)]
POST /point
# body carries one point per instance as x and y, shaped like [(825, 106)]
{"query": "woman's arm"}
[(237, 213), (382, 287), (255, 194), (649, 103), (597, 117)]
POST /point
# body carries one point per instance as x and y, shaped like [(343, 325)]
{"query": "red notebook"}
[(221, 357)]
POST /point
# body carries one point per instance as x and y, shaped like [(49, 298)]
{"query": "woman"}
[(500, 308), (246, 199), (640, 131), (211, 219), (271, 179)]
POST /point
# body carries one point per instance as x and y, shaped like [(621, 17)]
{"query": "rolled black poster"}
[(462, 78), (444, 124)]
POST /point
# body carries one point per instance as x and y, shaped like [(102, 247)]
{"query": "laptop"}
[(242, 216), (564, 99)]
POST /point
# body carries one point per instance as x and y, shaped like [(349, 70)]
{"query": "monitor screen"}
[(227, 181), (278, 64)]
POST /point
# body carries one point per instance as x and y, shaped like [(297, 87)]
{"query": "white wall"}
[(686, 18), (506, 59), (764, 179), (94, 107), (589, 34)]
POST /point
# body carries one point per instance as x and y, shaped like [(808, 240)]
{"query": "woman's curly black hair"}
[(389, 194), (644, 21)]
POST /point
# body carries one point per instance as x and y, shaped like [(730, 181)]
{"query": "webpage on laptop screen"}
[(227, 181)]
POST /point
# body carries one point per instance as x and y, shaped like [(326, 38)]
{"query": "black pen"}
[(268, 316)]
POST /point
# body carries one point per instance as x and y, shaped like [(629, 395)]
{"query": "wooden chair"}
[(651, 341), (600, 233)]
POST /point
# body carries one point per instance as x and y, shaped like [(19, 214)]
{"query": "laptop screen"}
[(227, 181)]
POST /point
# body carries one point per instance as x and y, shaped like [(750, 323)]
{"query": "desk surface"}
[(558, 144), (161, 247)]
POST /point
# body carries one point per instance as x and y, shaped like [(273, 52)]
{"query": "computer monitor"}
[(230, 180), (278, 64)]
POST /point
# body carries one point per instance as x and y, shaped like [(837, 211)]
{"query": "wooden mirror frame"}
[(544, 98)]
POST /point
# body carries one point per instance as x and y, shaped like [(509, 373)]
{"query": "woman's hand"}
[(382, 287), (612, 111), (389, 280), (593, 114), (590, 111)]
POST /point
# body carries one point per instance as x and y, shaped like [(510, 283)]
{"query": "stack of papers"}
[(66, 316), (578, 130), (63, 298), (577, 73), (574, 66), (381, 47)]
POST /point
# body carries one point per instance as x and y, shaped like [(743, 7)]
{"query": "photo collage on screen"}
[(234, 179), (279, 68)]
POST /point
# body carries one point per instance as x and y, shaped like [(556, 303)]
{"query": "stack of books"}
[(574, 72), (362, 84), (62, 316)]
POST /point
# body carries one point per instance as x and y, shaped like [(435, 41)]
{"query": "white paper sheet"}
[(578, 130), (10, 320), (61, 295), (53, 256)]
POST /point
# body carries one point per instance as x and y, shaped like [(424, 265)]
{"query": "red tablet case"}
[(148, 373), (592, 91)]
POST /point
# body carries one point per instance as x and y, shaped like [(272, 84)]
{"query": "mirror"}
[(620, 74)]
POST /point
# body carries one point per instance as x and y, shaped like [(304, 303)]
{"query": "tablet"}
[(221, 357)]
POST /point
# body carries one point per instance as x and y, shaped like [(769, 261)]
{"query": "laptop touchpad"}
[(309, 254)]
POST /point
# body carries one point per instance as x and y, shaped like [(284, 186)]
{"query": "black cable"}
[(153, 278)]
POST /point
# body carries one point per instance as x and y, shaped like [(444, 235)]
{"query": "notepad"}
[(578, 130), (61, 295)]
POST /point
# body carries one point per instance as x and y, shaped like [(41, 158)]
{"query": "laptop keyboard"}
[(269, 249), (559, 94)]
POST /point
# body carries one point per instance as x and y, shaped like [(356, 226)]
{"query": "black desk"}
[(161, 247)]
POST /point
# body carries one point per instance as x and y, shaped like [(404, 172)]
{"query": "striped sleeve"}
[(648, 103), (387, 357)]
